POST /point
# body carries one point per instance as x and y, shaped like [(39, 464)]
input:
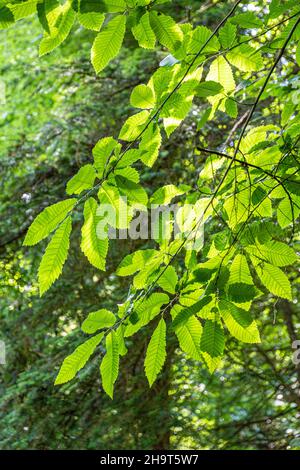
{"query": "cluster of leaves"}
[(251, 187)]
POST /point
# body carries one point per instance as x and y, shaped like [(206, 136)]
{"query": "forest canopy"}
[(150, 203)]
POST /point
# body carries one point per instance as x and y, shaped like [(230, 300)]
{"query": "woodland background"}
[(55, 111)]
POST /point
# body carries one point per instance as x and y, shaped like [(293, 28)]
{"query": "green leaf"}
[(191, 310), (231, 108), (203, 117), (180, 103), (199, 37), (101, 153), (108, 43), (293, 186), (6, 17), (128, 157), (134, 192), (48, 220), (237, 208), (156, 353), (145, 311), (212, 339), (161, 82), (258, 195), (227, 35), (275, 252), (97, 320), (59, 29), (168, 280), (134, 262), (142, 97), (261, 232), (220, 72), (22, 9), (109, 368), (241, 316), (239, 271), (112, 6), (128, 173), (221, 240), (240, 292), (208, 88), (211, 362), (255, 136), (77, 360), (94, 6), (44, 9), (55, 256), (91, 20), (191, 292), (165, 194), (189, 337), (245, 58), (189, 334), (285, 214), (84, 179), (246, 20), (264, 208), (275, 280), (120, 213), (134, 126), (150, 145), (143, 32), (121, 342), (94, 248), (149, 272), (166, 30), (239, 323)]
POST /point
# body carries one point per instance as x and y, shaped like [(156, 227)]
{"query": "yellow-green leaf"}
[(156, 353), (48, 220), (108, 43), (55, 256), (109, 368)]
